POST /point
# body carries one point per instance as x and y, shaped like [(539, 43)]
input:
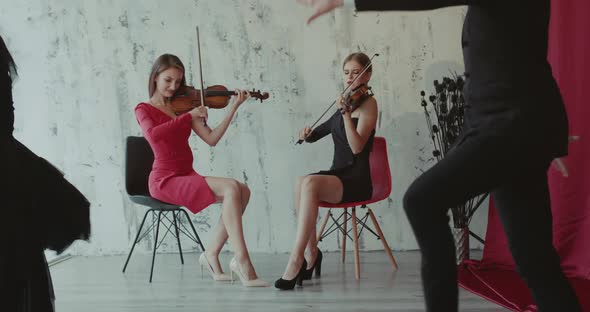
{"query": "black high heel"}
[(317, 266), (284, 284)]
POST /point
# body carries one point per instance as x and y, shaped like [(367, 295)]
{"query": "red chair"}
[(381, 178)]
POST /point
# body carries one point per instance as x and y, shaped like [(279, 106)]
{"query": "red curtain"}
[(494, 277)]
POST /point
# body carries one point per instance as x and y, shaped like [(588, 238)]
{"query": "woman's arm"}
[(357, 137), (212, 136), (320, 131), (158, 132)]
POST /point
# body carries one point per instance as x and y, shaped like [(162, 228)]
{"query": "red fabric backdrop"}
[(494, 277)]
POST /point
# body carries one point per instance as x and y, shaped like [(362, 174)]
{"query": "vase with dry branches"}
[(445, 124)]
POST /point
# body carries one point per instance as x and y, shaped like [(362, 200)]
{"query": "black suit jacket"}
[(510, 90)]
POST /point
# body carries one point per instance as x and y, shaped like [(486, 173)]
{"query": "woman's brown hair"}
[(162, 63)]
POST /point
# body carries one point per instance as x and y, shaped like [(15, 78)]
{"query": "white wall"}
[(84, 66)]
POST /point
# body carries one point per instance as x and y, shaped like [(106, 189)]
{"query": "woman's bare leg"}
[(234, 197), (314, 188), (312, 243)]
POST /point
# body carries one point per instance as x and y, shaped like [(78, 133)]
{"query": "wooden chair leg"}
[(357, 264), (382, 238), (323, 227), (344, 235)]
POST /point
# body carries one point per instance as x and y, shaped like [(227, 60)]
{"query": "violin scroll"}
[(259, 96)]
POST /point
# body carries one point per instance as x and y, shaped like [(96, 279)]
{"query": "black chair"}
[(139, 158)]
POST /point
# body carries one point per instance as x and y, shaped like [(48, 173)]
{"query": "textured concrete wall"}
[(84, 66)]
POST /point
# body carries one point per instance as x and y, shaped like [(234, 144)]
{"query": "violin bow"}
[(341, 94), (202, 93)]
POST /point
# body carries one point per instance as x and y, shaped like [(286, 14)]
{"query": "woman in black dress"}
[(349, 178)]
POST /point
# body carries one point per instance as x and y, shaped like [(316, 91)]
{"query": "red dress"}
[(173, 179)]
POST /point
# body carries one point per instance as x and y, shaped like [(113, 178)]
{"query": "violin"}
[(217, 96), (356, 97)]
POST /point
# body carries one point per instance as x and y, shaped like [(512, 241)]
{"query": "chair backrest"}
[(139, 159), (380, 172)]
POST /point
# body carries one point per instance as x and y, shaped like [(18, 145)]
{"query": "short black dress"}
[(352, 170)]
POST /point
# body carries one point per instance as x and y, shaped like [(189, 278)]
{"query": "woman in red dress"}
[(173, 179)]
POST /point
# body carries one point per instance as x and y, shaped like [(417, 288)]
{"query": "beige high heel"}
[(235, 268), (205, 263)]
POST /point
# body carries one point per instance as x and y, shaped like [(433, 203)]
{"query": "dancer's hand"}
[(559, 164), (573, 138), (321, 7)]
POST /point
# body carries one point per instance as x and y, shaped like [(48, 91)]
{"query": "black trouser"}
[(519, 187)]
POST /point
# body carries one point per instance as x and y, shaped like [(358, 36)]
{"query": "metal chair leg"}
[(194, 231), (174, 216), (136, 238), (155, 244)]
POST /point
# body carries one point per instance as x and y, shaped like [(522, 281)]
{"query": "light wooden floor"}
[(88, 284)]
